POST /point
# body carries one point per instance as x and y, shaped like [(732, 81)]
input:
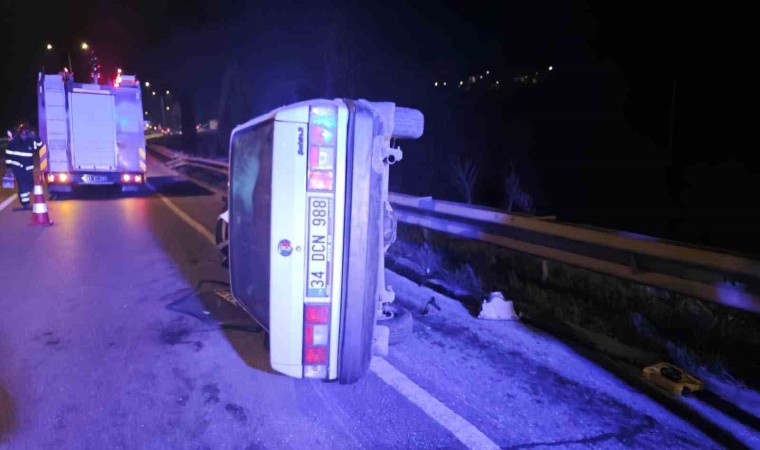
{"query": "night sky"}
[(594, 142)]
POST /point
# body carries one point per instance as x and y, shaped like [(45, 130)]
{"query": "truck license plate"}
[(95, 179), (319, 254)]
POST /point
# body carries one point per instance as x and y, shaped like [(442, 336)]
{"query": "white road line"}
[(7, 202), (466, 432), (185, 218)]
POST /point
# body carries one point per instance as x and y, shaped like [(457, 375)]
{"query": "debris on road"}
[(672, 378), (431, 307), (497, 308)]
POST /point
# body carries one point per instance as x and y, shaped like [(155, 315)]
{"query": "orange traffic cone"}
[(39, 210)]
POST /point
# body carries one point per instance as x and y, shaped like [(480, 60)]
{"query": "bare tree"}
[(466, 172), (235, 105), (515, 196)]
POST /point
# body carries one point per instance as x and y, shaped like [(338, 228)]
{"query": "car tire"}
[(399, 321), (221, 235)]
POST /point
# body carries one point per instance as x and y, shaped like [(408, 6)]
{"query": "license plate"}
[(319, 255), (93, 179)]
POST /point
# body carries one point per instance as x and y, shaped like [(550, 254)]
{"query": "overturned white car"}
[(307, 228)]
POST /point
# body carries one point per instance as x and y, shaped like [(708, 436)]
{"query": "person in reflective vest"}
[(19, 157)]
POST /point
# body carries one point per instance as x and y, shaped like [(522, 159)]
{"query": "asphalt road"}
[(105, 343)]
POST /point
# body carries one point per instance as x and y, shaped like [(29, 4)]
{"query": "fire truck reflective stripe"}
[(43, 164), (142, 153), (143, 167), (43, 150), (13, 152), (15, 163)]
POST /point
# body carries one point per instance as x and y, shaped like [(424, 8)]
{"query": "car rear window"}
[(250, 213)]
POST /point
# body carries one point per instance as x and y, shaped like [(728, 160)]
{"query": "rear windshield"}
[(250, 212)]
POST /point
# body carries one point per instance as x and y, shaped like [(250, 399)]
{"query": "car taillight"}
[(320, 181), (317, 314), (320, 177), (321, 135), (315, 355), (315, 371), (315, 341), (323, 132), (315, 335)]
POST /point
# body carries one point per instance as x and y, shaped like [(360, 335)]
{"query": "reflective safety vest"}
[(20, 152)]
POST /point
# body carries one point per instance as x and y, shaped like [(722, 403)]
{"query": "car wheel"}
[(398, 320), (222, 236)]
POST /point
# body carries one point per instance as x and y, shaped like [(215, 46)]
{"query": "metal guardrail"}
[(177, 159), (710, 274)]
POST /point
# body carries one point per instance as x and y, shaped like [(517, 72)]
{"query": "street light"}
[(167, 92), (147, 84), (49, 46), (154, 92), (85, 46)]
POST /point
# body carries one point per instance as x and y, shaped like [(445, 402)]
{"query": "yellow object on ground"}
[(672, 378)]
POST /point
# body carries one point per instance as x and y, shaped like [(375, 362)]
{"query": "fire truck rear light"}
[(315, 372), (315, 335), (126, 178), (317, 314), (63, 178), (51, 178), (138, 178), (315, 355)]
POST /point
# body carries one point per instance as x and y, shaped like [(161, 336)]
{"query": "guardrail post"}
[(544, 270), (632, 263)]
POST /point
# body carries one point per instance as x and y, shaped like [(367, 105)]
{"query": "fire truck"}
[(94, 132)]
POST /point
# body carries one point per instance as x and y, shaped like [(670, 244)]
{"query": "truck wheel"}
[(398, 320)]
